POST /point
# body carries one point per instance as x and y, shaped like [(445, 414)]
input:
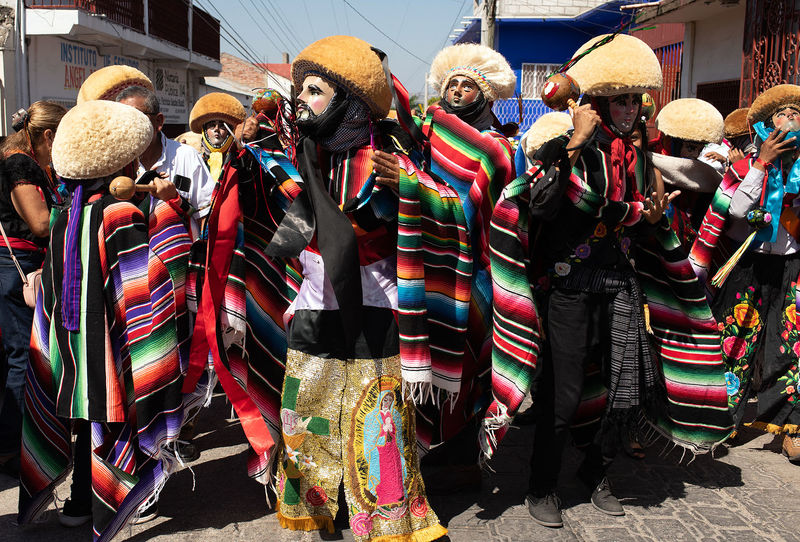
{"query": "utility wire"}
[(290, 37), (205, 16), (283, 45), (263, 31), (384, 34), (452, 26), (252, 56), (336, 19), (310, 20)]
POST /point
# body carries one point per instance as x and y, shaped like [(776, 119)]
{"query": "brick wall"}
[(241, 71), (545, 8)]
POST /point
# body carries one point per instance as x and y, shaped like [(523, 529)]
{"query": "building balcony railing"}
[(128, 13), (205, 34), (167, 20)]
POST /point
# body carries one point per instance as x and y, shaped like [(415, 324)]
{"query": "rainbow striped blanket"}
[(443, 258), (685, 336), (707, 252), (123, 368)]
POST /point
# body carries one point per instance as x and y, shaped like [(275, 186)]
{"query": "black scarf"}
[(343, 125), (478, 114)]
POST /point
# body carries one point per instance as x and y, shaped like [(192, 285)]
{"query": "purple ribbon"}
[(71, 281)]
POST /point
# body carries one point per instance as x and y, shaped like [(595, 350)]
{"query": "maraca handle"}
[(571, 103)]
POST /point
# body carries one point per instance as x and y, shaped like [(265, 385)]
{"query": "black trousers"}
[(81, 489), (577, 332)]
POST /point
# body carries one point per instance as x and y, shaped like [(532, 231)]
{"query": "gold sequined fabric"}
[(346, 421)]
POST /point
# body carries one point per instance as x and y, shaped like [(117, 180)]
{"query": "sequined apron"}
[(345, 421)]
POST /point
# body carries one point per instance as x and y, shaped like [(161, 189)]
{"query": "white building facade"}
[(66, 44)]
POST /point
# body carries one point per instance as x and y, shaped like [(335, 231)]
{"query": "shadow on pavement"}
[(223, 495), (662, 475)]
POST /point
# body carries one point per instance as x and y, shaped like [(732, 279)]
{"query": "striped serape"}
[(444, 333), (708, 253), (121, 371), (685, 336)]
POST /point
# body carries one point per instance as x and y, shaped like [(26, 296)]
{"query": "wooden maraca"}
[(560, 92), (123, 188)]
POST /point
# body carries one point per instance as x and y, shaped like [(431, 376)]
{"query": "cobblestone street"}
[(749, 492)]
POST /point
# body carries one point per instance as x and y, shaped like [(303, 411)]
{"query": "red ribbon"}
[(623, 168), (223, 225)]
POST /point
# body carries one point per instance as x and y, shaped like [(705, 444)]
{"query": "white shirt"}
[(378, 285), (179, 159), (746, 197)]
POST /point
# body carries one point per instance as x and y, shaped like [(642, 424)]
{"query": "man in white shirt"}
[(172, 158)]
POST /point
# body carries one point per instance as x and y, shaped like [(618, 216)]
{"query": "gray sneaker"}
[(545, 510), (605, 501)]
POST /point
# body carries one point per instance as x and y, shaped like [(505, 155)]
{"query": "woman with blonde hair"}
[(27, 191)]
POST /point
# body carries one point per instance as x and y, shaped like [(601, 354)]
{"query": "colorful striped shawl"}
[(133, 350), (704, 255), (685, 335), (516, 326), (445, 294), (262, 288)]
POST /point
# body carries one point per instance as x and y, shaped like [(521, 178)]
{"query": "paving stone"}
[(747, 492)]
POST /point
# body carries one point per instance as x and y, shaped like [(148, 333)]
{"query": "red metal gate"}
[(771, 48)]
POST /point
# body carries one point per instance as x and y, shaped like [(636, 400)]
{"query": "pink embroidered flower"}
[(281, 483), (734, 347), (729, 320), (361, 524), (316, 496), (785, 335), (790, 390), (419, 508), (796, 348)]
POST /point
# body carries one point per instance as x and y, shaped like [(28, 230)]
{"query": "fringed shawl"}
[(705, 254), (124, 363), (453, 314), (260, 287), (695, 413)]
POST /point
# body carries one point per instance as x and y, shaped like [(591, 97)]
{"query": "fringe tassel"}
[(487, 437), (773, 428), (726, 269), (419, 392), (312, 523), (432, 532), (647, 327)]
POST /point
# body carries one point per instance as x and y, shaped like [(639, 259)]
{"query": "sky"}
[(266, 28)]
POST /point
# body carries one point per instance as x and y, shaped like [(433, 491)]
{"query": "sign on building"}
[(58, 68)]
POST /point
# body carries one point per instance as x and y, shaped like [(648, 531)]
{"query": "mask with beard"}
[(342, 125)]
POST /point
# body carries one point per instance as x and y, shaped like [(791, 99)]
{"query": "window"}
[(533, 78)]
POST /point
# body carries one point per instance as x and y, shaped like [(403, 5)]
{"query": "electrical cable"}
[(384, 34)]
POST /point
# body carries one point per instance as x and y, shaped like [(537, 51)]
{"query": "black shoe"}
[(187, 451), (75, 514), (605, 501), (545, 510)]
